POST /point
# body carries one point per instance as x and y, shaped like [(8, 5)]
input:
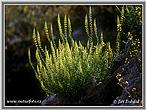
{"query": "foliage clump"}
[(66, 66), (130, 21)]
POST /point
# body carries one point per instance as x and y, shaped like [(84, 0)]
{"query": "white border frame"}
[(71, 3)]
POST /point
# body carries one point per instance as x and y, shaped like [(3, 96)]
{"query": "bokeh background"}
[(20, 81)]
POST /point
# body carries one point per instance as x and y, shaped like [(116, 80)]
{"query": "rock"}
[(130, 79), (120, 57), (50, 100)]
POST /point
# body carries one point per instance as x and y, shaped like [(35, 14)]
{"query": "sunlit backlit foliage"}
[(130, 20), (68, 65)]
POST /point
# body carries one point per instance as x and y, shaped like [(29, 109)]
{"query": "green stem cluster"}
[(66, 68)]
